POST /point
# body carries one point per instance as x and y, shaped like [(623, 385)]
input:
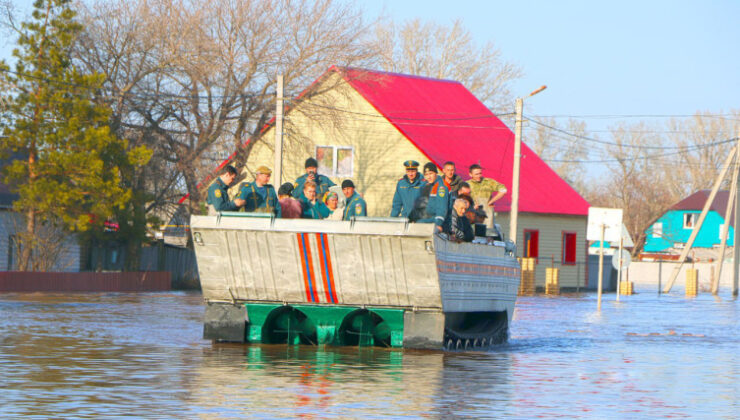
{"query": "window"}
[(336, 161), (531, 243), (689, 220), (569, 248), (657, 230)]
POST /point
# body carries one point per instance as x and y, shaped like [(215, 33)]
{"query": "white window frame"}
[(657, 229), (693, 220), (335, 160)]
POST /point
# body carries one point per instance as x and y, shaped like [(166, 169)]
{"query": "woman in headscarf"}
[(331, 199)]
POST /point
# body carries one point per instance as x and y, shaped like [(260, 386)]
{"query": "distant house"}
[(670, 233), (363, 124), (67, 252)]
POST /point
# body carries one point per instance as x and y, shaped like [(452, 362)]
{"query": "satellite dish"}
[(626, 259)]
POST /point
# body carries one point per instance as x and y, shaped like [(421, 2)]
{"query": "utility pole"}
[(702, 216), (514, 213), (725, 228), (278, 171), (601, 266), (736, 253)]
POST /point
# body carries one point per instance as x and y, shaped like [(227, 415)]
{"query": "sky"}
[(597, 57), (604, 58)]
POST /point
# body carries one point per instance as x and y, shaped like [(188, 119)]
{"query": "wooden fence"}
[(27, 281)]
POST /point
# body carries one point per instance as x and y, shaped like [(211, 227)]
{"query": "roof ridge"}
[(394, 74)]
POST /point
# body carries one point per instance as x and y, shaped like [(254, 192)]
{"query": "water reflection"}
[(95, 355)]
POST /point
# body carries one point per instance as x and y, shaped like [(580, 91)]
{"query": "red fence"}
[(28, 281)]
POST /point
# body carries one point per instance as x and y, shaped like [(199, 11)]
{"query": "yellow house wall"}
[(379, 149), (551, 228)]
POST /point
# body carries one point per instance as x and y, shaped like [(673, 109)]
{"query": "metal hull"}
[(427, 290)]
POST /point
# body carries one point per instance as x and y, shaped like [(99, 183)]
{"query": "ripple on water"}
[(93, 355)]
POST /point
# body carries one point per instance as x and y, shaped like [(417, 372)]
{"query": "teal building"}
[(672, 229)]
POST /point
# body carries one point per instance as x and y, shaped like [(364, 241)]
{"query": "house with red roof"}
[(363, 124)]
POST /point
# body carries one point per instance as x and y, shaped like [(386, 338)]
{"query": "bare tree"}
[(703, 144), (196, 77), (447, 52), (564, 153), (637, 181)]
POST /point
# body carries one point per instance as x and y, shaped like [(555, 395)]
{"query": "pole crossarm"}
[(697, 227)]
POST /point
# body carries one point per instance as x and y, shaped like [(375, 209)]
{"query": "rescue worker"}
[(485, 191), (438, 203), (408, 190), (218, 192), (356, 205), (451, 179), (313, 208), (259, 196), (322, 182)]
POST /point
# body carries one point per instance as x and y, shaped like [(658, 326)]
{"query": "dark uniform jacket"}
[(218, 196), (406, 194), (459, 228), (254, 202), (317, 210), (322, 185), (355, 207), (438, 203), (454, 185)]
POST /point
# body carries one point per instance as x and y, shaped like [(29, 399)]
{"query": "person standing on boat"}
[(457, 225), (408, 190), (290, 208), (463, 192), (322, 182), (218, 192), (451, 179), (356, 205), (437, 196), (485, 191), (313, 208), (331, 199), (259, 196)]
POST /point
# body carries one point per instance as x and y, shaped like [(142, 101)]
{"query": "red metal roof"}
[(696, 202), (447, 123)]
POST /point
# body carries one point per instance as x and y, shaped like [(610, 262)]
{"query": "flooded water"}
[(104, 355)]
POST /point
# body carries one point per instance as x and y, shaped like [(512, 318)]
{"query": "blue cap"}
[(411, 164)]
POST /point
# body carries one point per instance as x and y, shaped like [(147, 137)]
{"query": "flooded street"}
[(93, 355)]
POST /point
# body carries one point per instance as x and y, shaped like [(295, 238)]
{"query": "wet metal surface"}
[(92, 355)]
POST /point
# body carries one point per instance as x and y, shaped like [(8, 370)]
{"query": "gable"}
[(447, 123)]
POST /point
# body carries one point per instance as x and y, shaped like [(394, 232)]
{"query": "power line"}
[(616, 160), (608, 143), (625, 116)]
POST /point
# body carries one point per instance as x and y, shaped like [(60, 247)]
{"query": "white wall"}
[(645, 274)]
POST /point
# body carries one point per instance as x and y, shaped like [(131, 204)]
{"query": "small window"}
[(689, 220), (657, 230), (531, 243), (335, 161), (569, 248)]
